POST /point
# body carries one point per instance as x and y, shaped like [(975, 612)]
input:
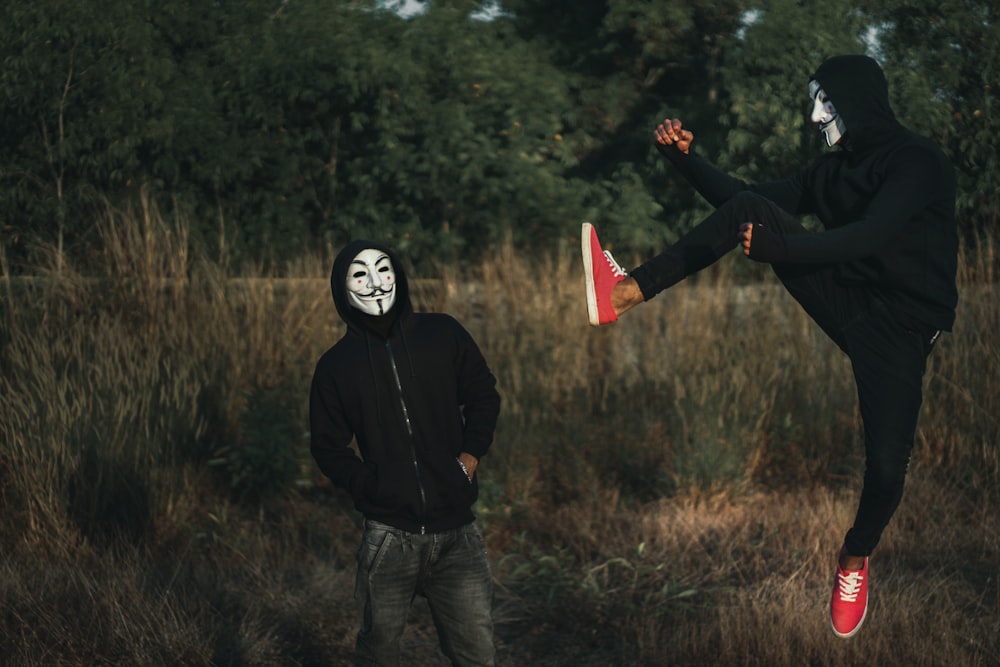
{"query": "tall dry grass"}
[(667, 490)]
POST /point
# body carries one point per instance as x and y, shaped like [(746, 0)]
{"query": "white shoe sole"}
[(588, 272), (848, 635)]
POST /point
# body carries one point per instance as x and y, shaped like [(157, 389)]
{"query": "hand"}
[(746, 236), (761, 244), (670, 133), (470, 462)]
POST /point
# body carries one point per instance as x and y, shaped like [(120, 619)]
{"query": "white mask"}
[(825, 115), (371, 282)]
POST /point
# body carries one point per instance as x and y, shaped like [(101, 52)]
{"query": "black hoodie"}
[(414, 397), (886, 199)]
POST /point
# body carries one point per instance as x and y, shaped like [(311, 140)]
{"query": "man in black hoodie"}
[(879, 280), (415, 393)]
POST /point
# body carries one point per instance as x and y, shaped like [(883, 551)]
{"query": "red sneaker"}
[(603, 273), (849, 605)]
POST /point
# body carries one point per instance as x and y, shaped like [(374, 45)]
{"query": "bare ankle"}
[(849, 562), (626, 295)]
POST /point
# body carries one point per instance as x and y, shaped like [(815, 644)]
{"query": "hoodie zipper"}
[(409, 430)]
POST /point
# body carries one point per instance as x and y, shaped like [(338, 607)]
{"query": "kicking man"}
[(879, 279)]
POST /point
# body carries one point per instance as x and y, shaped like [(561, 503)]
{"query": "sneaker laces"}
[(850, 585), (615, 266)]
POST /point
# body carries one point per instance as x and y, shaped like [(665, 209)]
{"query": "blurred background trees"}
[(275, 127)]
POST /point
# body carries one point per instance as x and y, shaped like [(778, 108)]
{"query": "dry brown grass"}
[(670, 490)]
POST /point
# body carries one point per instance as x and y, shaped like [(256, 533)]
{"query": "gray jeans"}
[(450, 569)]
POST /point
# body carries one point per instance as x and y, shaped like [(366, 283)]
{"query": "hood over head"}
[(338, 284), (858, 89)]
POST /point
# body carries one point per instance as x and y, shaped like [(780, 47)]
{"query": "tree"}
[(944, 64), (55, 68), (766, 74), (97, 102), (626, 66), (277, 126)]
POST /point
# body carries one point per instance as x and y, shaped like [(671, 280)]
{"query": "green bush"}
[(265, 460)]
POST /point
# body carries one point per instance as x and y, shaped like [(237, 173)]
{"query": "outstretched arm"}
[(715, 185), (674, 142), (914, 179)]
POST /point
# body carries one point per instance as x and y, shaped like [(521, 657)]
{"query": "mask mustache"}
[(376, 293)]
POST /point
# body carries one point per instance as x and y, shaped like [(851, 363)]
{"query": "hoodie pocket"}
[(456, 489)]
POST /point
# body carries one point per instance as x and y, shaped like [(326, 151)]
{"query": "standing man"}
[(879, 280), (415, 393)]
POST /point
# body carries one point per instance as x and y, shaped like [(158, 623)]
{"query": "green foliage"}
[(277, 127), (765, 77), (57, 87), (636, 584), (628, 66), (548, 578), (943, 64), (266, 459)]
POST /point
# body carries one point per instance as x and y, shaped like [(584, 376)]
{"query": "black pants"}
[(888, 358)]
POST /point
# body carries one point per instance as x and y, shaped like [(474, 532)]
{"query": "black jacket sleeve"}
[(913, 178), (718, 187), (478, 396), (331, 436)]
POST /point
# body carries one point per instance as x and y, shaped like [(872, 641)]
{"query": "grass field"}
[(669, 490)]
